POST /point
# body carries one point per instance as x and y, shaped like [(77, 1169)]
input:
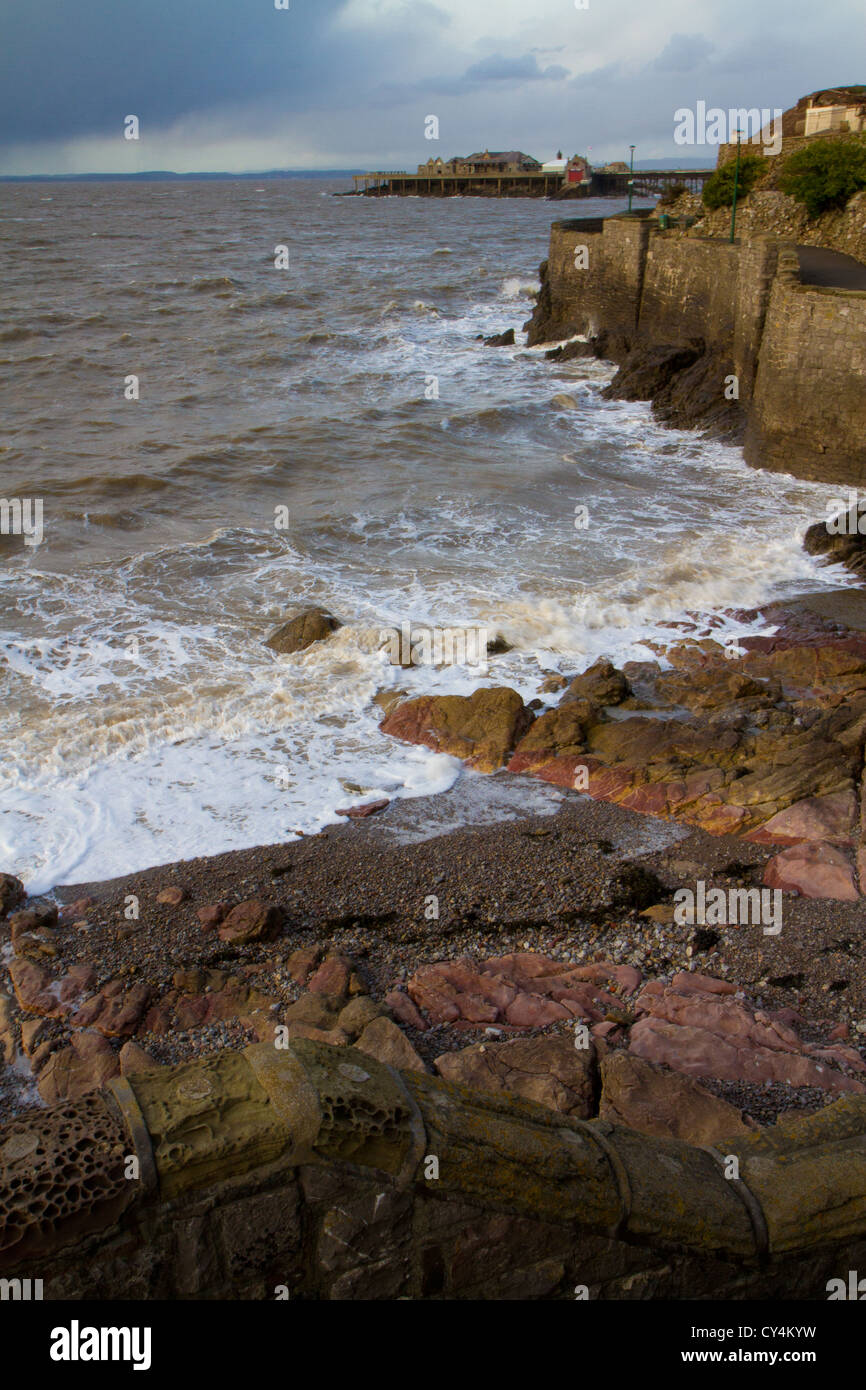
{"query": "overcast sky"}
[(241, 85)]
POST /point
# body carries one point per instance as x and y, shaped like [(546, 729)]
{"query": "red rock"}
[(402, 1008), (839, 1032), (815, 870), (212, 915), (302, 963), (696, 983), (698, 1052), (532, 1011), (332, 977), (172, 897), (114, 1012), (369, 808), (80, 908), (839, 1056), (254, 920), (722, 1015), (828, 818)]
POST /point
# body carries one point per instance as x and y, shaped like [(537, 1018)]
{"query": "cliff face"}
[(719, 335)]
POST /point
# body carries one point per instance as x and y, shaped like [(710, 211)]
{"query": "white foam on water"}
[(143, 719)]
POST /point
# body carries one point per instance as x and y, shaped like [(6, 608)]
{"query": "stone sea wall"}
[(316, 1172), (683, 315)]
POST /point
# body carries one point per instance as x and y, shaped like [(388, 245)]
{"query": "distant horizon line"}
[(155, 175)]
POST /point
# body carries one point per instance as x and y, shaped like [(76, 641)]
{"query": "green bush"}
[(719, 188), (825, 174)]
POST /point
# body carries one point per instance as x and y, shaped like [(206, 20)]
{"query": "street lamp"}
[(736, 185), (631, 177)]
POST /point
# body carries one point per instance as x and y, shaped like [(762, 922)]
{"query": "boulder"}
[(845, 544), (664, 1104), (135, 1061), (830, 818), (505, 339), (548, 1070), (602, 683), (814, 870), (481, 728), (309, 626), (84, 1066), (12, 894), (386, 1042), (172, 897), (253, 920)]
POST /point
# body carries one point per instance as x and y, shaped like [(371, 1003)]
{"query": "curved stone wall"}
[(317, 1172)]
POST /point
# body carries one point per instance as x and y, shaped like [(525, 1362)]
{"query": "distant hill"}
[(168, 176)]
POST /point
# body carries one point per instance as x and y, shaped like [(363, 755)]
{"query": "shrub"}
[(825, 174), (719, 188), (672, 193)]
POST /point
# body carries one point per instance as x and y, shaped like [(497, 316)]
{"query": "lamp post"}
[(631, 177), (736, 185)]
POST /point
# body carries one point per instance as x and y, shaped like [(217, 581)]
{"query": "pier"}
[(398, 183)]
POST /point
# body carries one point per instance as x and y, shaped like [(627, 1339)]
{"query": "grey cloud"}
[(523, 69), (683, 53)]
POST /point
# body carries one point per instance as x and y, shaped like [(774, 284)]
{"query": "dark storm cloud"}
[(74, 69)]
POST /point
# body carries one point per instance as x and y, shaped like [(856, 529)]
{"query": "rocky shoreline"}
[(482, 952)]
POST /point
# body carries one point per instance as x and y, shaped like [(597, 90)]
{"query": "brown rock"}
[(302, 963), (315, 1009), (309, 626), (661, 1103), (172, 897), (12, 893), (549, 1070), (8, 1035), (369, 808), (254, 920), (84, 1066), (70, 912), (134, 1060), (602, 683), (481, 728), (357, 1014), (334, 1037), (212, 915), (386, 1042)]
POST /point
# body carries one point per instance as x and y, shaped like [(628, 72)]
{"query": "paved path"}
[(819, 266)]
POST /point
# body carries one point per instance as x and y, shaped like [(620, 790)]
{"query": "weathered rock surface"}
[(703, 1032), (662, 1103), (549, 1070), (12, 894), (386, 1042), (309, 626), (254, 920), (815, 870), (522, 990), (481, 728), (84, 1066)]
